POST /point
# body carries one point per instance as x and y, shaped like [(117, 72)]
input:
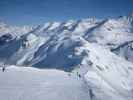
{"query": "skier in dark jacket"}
[(78, 74), (91, 94), (3, 69)]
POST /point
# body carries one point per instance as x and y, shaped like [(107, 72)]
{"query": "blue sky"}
[(20, 12)]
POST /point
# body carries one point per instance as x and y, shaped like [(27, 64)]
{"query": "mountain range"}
[(101, 51)]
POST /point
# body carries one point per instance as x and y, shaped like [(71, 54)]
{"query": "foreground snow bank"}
[(20, 83)]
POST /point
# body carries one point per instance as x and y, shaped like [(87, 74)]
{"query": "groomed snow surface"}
[(20, 83)]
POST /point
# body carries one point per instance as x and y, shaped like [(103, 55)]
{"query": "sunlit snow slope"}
[(19, 83)]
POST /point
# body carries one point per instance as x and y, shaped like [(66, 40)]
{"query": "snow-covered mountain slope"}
[(19, 83), (108, 73), (125, 50), (112, 32), (14, 30)]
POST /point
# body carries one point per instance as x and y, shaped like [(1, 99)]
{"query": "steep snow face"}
[(111, 32), (47, 29), (108, 74), (61, 52), (125, 50), (21, 50), (84, 25)]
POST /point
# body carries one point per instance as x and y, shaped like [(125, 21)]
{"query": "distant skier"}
[(3, 69), (78, 75), (91, 94)]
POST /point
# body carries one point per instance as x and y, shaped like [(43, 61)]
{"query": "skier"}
[(91, 94), (78, 75), (3, 68)]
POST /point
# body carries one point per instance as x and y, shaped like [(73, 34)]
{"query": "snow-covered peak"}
[(2, 24), (127, 19), (14, 30)]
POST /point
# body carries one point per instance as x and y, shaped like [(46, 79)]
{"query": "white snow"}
[(98, 51), (19, 83), (110, 71)]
